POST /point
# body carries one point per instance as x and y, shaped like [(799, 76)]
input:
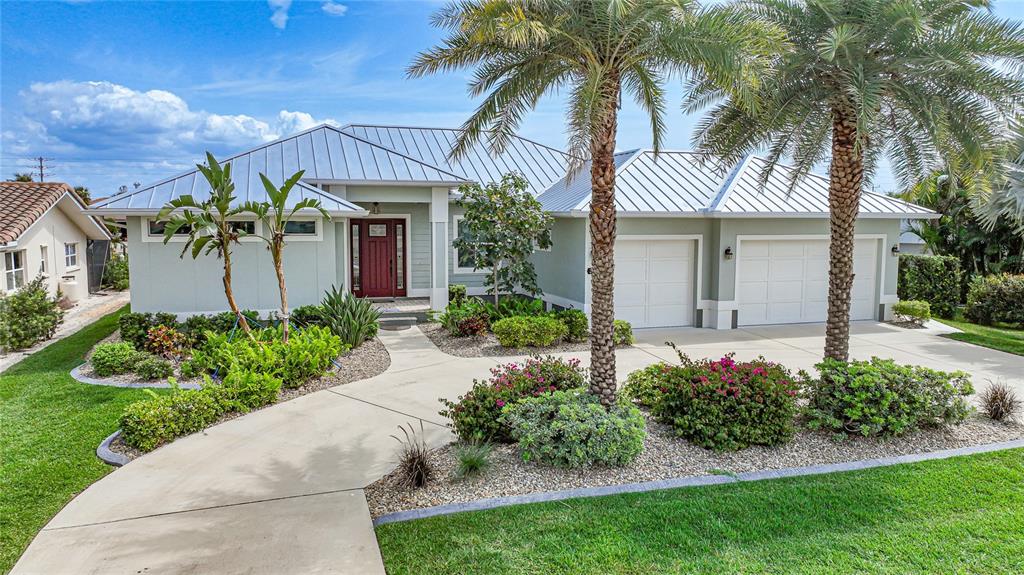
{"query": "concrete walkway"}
[(281, 490)]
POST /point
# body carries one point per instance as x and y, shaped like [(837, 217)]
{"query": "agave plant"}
[(353, 319)]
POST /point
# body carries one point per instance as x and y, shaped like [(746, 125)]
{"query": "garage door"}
[(786, 281), (654, 282)]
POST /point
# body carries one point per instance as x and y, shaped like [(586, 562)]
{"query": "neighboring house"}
[(911, 243), (44, 230), (698, 244)]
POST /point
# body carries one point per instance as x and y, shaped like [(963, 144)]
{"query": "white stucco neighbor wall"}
[(50, 233)]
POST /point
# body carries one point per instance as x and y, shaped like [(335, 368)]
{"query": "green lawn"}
[(1002, 338), (50, 426), (963, 515)]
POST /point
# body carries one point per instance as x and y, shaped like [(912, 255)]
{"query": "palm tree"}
[(274, 216), (592, 50), (211, 223), (920, 81), (22, 177)]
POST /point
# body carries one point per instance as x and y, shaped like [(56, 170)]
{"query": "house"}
[(698, 243), (45, 231)]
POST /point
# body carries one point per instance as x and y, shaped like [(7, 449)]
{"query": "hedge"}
[(934, 279)]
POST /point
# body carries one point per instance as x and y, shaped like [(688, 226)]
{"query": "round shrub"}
[(912, 311), (572, 429), (725, 405), (622, 332), (165, 341), (522, 331), (307, 315), (644, 385), (149, 423), (28, 316), (151, 367), (576, 323), (114, 358), (465, 314), (996, 299)]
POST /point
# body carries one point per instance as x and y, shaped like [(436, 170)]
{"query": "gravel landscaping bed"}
[(664, 457), (488, 346)]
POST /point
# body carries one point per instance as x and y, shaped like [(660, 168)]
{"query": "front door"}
[(378, 257)]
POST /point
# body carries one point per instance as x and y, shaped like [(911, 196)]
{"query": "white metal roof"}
[(541, 165)]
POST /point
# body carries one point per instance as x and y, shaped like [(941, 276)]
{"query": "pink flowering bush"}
[(475, 415), (728, 405)]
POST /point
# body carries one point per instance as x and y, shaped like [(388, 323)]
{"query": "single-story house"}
[(44, 231), (699, 244)]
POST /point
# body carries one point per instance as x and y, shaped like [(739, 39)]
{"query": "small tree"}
[(275, 215), (505, 223), (209, 223)]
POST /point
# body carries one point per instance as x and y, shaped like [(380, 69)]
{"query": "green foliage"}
[(572, 429), (150, 367), (148, 424), (880, 397), (353, 319), (134, 327), (576, 323), (514, 306), (115, 273), (622, 333), (996, 299), (456, 293), (504, 224), (114, 358), (28, 316), (465, 317), (912, 310), (307, 354), (644, 385), (475, 415), (165, 341), (307, 315), (251, 390), (725, 405), (473, 459), (934, 279), (522, 331)]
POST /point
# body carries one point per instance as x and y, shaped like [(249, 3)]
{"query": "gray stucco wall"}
[(562, 271)]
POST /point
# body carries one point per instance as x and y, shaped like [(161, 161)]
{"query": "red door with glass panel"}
[(378, 257)]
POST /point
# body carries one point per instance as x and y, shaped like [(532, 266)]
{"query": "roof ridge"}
[(401, 127), (727, 186)]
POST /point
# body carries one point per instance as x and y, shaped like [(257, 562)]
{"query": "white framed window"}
[(464, 258), (70, 255), (303, 230), (14, 270), (153, 230), (43, 259)]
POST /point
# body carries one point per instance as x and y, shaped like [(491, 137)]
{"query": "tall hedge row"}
[(934, 279)]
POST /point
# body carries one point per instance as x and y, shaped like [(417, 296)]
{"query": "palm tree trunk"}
[(845, 176), (279, 270), (602, 260), (229, 293)]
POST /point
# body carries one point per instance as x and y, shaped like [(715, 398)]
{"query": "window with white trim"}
[(156, 229), (43, 258), (464, 258), (70, 255), (300, 228), (14, 269)]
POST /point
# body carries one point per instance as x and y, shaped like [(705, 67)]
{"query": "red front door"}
[(378, 258)]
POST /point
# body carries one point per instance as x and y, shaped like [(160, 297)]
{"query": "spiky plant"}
[(999, 401), (353, 319), (414, 466)]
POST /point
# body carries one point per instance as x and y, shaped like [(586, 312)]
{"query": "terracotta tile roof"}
[(22, 203)]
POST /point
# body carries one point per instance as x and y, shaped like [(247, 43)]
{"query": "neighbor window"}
[(43, 257), (300, 228), (14, 269), (157, 229), (464, 257), (70, 255)]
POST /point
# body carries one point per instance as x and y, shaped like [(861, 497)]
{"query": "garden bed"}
[(487, 345), (664, 457)]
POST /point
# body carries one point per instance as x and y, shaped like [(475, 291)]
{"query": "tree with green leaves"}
[(22, 177), (920, 81), (593, 51), (504, 224), (274, 215), (83, 194), (212, 224)]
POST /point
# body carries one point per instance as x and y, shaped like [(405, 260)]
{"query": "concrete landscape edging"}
[(76, 373), (107, 455), (494, 503)]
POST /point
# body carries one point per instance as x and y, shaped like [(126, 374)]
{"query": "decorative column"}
[(439, 248)]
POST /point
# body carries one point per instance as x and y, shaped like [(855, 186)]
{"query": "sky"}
[(117, 93)]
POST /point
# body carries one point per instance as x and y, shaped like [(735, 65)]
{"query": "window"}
[(248, 227), (464, 258), (157, 229), (356, 283), (14, 269), (43, 257), (70, 255), (399, 256), (300, 228)]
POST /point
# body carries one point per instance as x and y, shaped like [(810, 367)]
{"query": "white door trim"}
[(408, 256)]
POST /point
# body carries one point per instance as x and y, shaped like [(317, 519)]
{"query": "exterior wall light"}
[(895, 250), (728, 253), (375, 209)]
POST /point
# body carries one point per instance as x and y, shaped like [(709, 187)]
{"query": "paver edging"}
[(109, 456), (693, 481), (76, 373)]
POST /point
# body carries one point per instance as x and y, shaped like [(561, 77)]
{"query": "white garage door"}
[(654, 282), (786, 281)]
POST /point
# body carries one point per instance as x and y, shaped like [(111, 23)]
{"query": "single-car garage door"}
[(654, 282), (786, 281)]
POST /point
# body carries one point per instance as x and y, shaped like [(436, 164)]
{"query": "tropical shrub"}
[(522, 331), (456, 293), (473, 459), (934, 279), (996, 299), (134, 327), (309, 353), (149, 423), (465, 317), (643, 386), (999, 402), (114, 358), (28, 316), (622, 332), (414, 466), (576, 323), (251, 390), (165, 341), (115, 273), (914, 311), (514, 306), (195, 327), (571, 428), (307, 315), (353, 319), (475, 415), (151, 367), (880, 397), (726, 405)]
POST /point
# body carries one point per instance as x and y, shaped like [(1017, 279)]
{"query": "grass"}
[(995, 337), (962, 515), (50, 426)]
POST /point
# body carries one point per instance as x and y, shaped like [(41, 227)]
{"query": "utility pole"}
[(41, 163)]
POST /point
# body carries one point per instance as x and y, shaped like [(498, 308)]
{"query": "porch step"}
[(394, 318)]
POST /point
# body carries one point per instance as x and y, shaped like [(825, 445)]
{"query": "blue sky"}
[(123, 92)]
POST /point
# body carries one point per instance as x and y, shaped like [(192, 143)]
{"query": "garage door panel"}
[(753, 292), (755, 270), (632, 270), (755, 249), (665, 273), (630, 295), (784, 269), (754, 313), (668, 294), (656, 289), (787, 249), (670, 250), (786, 291), (781, 312), (630, 250)]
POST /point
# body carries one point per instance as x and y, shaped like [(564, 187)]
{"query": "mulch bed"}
[(666, 456), (488, 346)]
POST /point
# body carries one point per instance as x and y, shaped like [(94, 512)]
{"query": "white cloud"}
[(280, 16), (333, 8), (291, 122)]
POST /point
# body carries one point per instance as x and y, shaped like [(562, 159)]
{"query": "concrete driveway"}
[(280, 490)]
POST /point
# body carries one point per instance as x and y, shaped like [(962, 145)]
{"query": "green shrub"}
[(996, 299), (880, 397), (149, 423), (165, 341), (353, 319), (644, 385), (576, 323), (725, 405), (114, 358), (115, 273), (195, 327), (465, 317), (307, 315), (934, 279), (522, 331), (622, 333), (513, 307), (251, 390), (152, 367), (308, 354), (134, 327), (572, 429), (456, 293), (28, 316), (915, 311), (475, 416), (473, 459)]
